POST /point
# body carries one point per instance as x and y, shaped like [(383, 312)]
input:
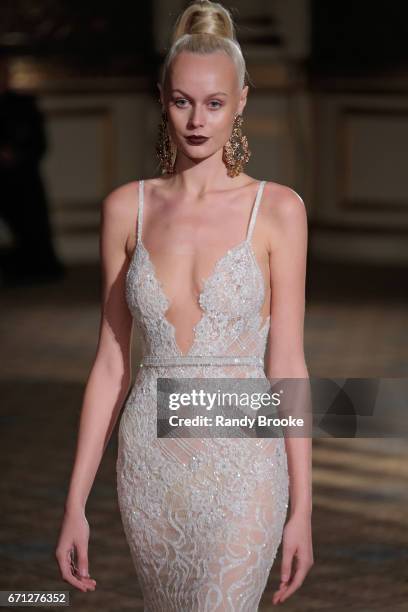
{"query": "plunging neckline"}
[(166, 302)]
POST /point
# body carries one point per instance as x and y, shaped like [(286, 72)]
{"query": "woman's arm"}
[(110, 376), (285, 359)]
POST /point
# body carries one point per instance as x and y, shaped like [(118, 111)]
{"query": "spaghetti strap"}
[(255, 210), (140, 211)]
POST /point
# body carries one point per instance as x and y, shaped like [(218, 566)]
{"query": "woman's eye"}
[(182, 103)]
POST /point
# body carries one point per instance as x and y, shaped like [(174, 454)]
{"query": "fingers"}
[(286, 571), (70, 574), (66, 569), (82, 562), (83, 568), (286, 589), (287, 561), (297, 581), (286, 568)]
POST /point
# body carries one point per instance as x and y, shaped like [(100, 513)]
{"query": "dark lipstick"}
[(196, 140)]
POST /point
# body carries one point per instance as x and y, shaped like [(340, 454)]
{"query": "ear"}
[(242, 99)]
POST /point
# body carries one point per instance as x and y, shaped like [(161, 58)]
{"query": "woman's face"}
[(201, 99)]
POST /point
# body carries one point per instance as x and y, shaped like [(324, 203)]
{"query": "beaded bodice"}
[(231, 301), (204, 514)]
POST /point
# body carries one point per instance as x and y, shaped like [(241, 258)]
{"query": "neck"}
[(197, 178)]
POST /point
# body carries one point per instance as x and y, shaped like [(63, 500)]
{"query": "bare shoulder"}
[(122, 200), (282, 203), (283, 213), (119, 214)]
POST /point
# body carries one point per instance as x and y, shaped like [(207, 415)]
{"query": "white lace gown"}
[(203, 517)]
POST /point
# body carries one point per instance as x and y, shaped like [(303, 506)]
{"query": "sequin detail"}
[(203, 516), (184, 360)]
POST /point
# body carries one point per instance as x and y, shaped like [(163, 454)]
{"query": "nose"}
[(197, 117)]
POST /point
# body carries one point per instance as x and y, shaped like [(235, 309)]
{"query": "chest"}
[(234, 288)]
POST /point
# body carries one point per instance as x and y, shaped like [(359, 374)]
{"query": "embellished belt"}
[(192, 360)]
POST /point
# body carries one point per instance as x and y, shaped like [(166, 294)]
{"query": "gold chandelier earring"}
[(165, 150), (236, 152)]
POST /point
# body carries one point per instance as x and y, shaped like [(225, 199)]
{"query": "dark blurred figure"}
[(23, 201)]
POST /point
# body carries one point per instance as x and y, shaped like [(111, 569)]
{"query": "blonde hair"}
[(205, 27)]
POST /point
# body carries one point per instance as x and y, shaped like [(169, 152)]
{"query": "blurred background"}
[(328, 116)]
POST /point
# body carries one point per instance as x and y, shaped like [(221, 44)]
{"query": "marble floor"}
[(356, 325)]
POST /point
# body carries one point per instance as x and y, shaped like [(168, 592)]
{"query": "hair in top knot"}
[(205, 18), (205, 27)]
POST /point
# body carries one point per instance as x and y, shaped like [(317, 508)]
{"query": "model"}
[(209, 263)]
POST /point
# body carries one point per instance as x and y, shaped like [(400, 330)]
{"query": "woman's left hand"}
[(296, 542)]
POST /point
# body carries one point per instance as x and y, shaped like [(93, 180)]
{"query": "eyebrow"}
[(217, 93)]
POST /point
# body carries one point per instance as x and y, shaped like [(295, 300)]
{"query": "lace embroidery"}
[(203, 517)]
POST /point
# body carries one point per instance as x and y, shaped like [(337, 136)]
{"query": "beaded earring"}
[(236, 152), (165, 150)]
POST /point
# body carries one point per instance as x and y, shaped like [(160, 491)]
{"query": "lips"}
[(196, 140)]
